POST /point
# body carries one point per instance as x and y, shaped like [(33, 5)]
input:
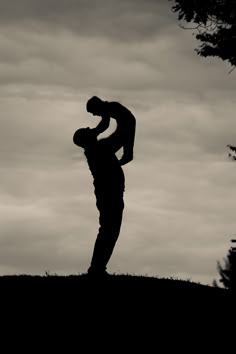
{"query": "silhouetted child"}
[(109, 183), (126, 123)]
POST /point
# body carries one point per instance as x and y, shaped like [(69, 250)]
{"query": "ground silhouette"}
[(128, 289), (119, 313)]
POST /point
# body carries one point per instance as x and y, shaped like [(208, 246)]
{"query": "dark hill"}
[(122, 309), (128, 290)]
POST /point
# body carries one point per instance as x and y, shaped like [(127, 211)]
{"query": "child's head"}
[(95, 106)]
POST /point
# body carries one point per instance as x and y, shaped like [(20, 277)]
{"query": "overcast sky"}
[(180, 193)]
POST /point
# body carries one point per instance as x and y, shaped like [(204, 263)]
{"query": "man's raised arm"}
[(128, 147), (102, 125)]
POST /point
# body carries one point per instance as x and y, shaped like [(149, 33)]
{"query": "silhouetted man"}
[(109, 183), (109, 180), (125, 132)]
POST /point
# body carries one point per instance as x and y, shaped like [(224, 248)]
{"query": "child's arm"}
[(102, 125)]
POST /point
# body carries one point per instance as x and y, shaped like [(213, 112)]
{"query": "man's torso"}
[(105, 168)]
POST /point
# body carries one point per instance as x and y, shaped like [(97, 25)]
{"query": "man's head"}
[(95, 106), (84, 137)]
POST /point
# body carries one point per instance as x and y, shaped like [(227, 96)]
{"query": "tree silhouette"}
[(215, 21), (228, 272), (231, 155)]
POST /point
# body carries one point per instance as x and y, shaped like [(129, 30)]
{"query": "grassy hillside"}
[(125, 288), (123, 309)]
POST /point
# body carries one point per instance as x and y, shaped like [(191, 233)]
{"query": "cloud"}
[(132, 19)]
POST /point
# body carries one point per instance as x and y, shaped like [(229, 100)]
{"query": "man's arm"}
[(128, 146), (122, 137), (102, 125), (125, 159)]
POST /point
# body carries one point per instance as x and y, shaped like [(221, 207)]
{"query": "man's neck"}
[(91, 146)]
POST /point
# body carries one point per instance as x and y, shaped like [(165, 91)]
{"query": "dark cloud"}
[(126, 19)]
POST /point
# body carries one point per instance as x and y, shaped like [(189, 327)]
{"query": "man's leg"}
[(110, 219)]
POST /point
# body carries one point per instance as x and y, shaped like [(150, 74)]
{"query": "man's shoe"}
[(94, 274)]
